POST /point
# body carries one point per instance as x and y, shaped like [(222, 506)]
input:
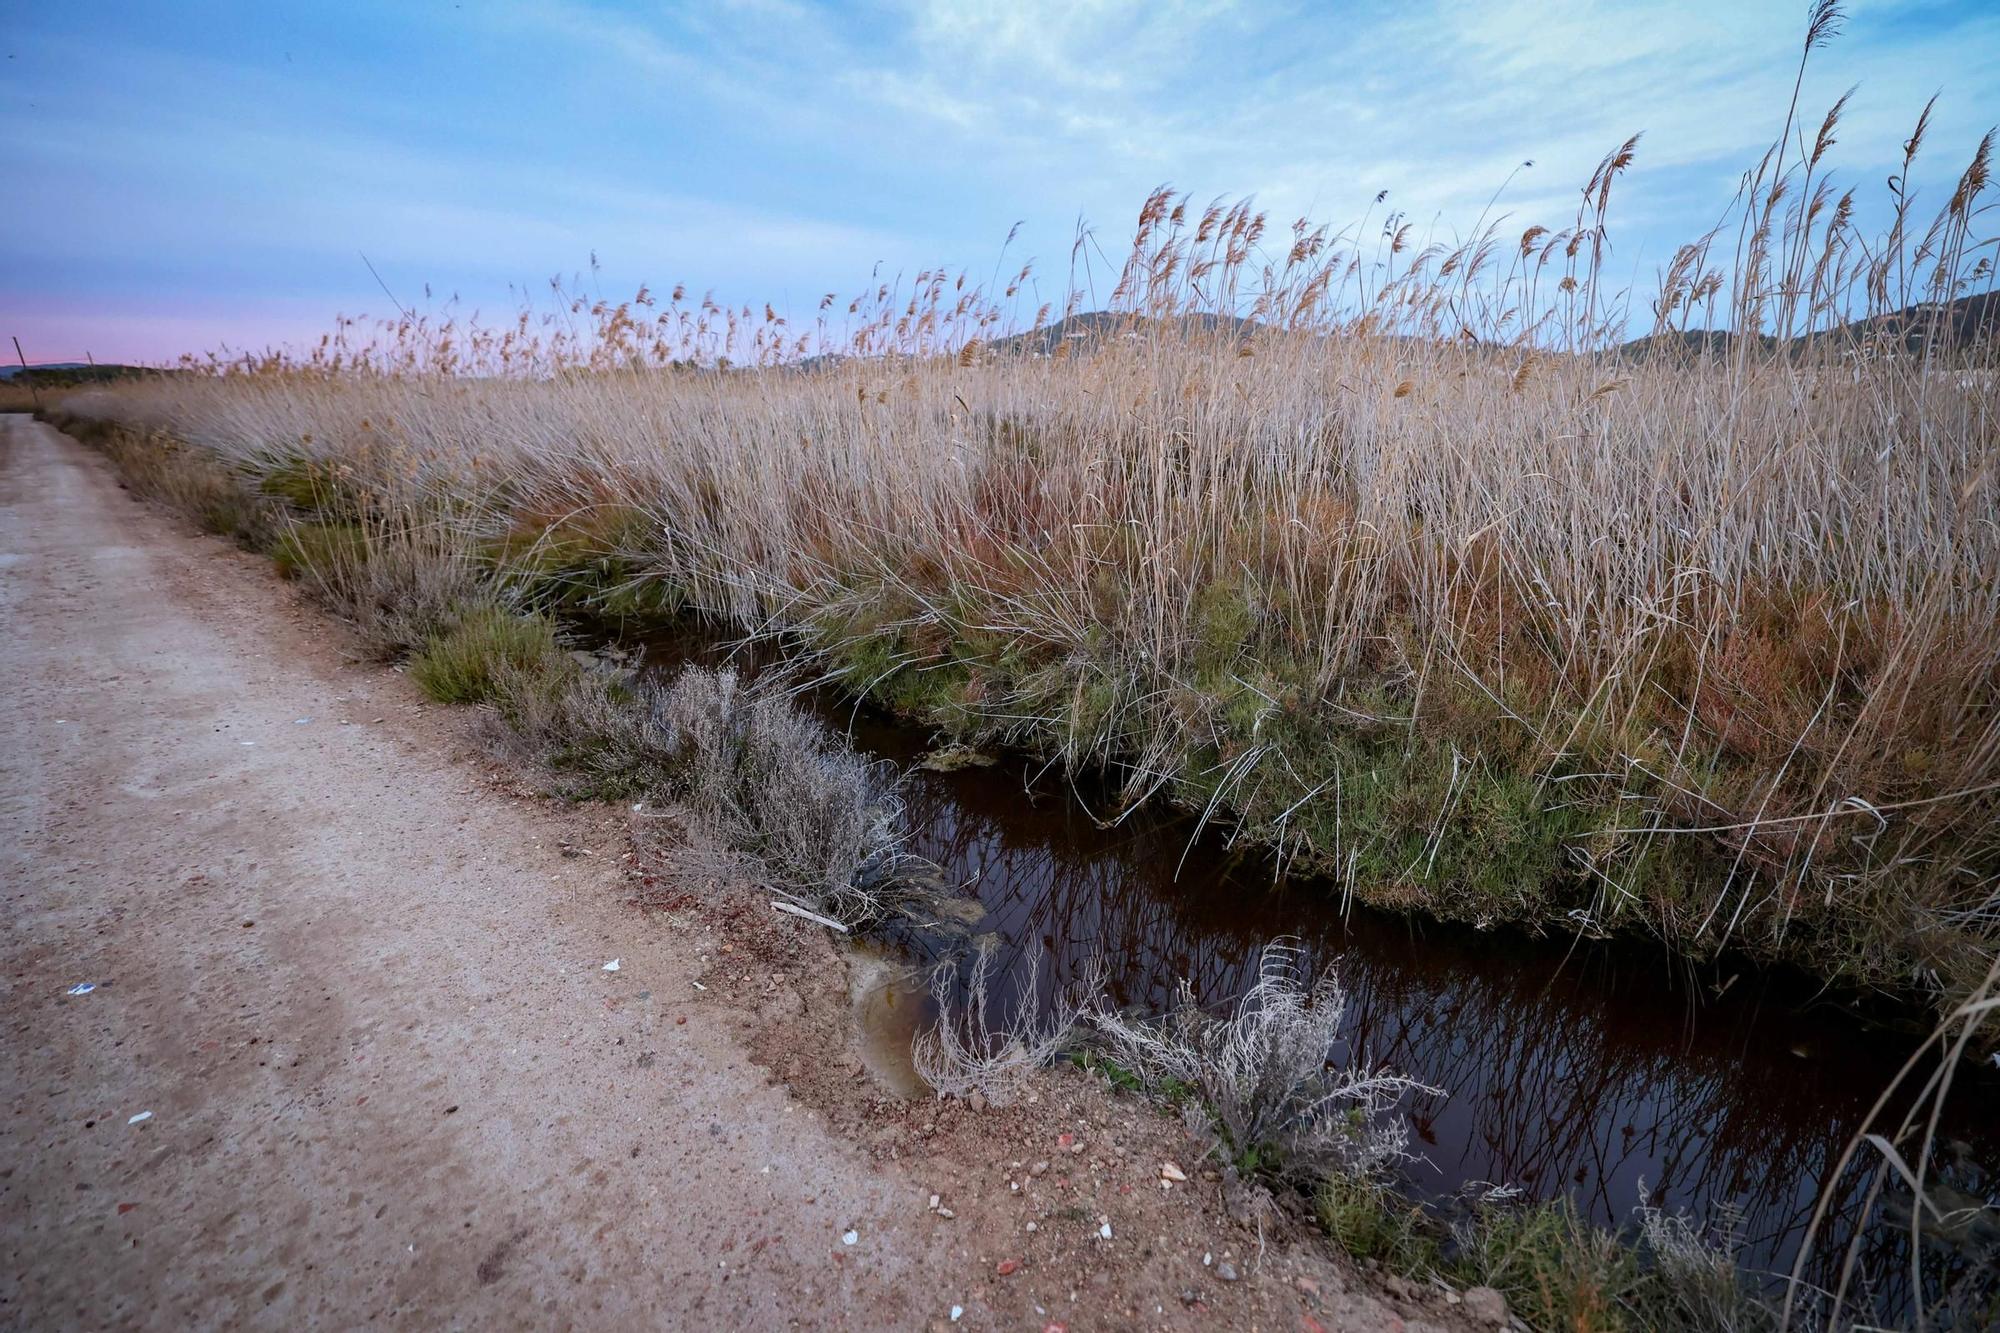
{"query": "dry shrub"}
[(762, 789), (967, 1050), (1260, 1076), (761, 775)]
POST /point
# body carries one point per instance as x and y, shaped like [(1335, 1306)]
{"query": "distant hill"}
[(1086, 330), (1961, 323)]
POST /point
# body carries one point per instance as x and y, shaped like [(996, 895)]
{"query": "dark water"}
[(1564, 1067)]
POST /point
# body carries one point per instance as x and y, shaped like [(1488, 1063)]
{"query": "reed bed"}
[(1385, 551)]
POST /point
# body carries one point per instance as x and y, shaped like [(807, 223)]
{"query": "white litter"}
[(957, 1312), (82, 988), (301, 721), (1105, 1231), (611, 966), (849, 1237), (143, 1115)]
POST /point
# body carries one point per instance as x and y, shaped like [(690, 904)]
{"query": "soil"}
[(353, 1055)]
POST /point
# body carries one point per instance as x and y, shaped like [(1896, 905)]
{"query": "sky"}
[(189, 176)]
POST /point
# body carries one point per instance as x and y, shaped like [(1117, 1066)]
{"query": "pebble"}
[(1008, 1267), (1038, 1169), (1226, 1271), (1486, 1305)]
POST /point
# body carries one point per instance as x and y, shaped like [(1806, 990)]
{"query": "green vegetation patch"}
[(467, 663)]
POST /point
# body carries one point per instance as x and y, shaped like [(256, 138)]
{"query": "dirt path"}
[(355, 988)]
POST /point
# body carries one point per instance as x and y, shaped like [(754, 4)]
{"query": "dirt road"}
[(351, 1055)]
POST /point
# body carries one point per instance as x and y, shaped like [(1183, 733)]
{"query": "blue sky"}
[(186, 175)]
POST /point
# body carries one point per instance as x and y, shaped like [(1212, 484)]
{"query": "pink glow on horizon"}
[(149, 338)]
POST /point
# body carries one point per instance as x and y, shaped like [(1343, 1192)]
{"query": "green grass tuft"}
[(466, 663)]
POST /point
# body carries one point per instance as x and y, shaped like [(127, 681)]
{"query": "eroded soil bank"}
[(352, 1055)]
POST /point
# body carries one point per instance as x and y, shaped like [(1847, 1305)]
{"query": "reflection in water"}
[(1594, 1071)]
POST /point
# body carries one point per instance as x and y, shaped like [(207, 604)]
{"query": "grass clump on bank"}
[(489, 647)]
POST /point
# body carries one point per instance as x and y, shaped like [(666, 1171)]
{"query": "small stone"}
[(1486, 1306), (1075, 1148), (977, 1101), (1226, 1271), (1039, 1169), (946, 1213), (1170, 1171), (1034, 1226), (934, 1202), (1008, 1267)]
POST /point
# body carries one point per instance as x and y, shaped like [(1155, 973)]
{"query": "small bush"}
[(1556, 1270), (1693, 1281), (1368, 1220), (759, 783), (467, 663), (967, 1051), (1261, 1079), (759, 775)]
